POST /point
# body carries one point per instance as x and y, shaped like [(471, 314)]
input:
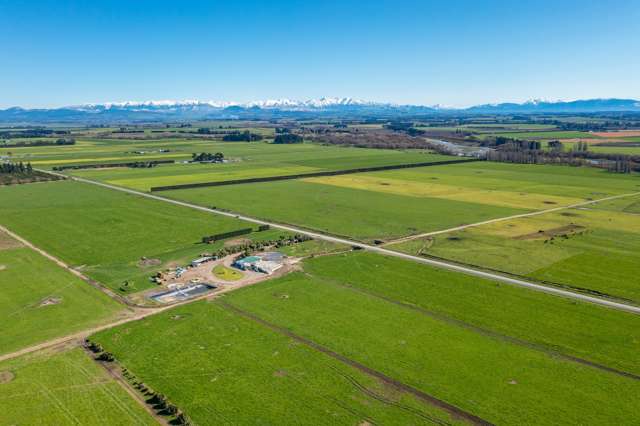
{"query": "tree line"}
[(159, 402), (59, 141), (577, 156), (245, 136), (16, 168), (218, 157), (287, 138)]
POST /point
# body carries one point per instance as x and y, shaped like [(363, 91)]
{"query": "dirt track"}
[(502, 219)]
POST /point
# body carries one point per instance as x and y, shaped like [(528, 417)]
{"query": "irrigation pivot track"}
[(310, 175), (432, 262)]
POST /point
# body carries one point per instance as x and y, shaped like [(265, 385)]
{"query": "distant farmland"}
[(392, 204)]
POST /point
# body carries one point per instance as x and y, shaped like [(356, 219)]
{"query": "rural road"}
[(381, 250)]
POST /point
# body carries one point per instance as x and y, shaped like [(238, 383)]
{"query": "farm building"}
[(200, 261), (246, 262), (266, 263), (266, 266)]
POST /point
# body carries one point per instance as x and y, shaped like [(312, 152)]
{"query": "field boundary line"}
[(117, 378), (449, 408), (634, 309), (311, 175), (501, 219)]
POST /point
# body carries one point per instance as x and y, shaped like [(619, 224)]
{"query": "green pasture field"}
[(626, 205), (606, 148), (560, 134), (89, 151), (360, 214), (63, 388), (515, 126), (250, 160), (489, 377), (221, 368), (390, 204), (41, 301), (105, 233), (592, 249), (627, 150), (587, 331), (570, 183), (312, 248)]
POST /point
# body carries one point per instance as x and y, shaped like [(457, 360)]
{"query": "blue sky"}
[(454, 53)]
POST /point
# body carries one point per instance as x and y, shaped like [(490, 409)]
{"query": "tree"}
[(245, 136), (287, 138)]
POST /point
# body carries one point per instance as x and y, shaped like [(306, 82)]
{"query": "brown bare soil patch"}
[(50, 301), (237, 242), (6, 376), (618, 134), (280, 373), (554, 232), (3, 267), (6, 242), (144, 262)]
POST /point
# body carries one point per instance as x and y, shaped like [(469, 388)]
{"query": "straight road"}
[(381, 250)]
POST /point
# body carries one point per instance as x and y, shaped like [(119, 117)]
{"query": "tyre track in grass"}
[(454, 411), (492, 334), (531, 285)]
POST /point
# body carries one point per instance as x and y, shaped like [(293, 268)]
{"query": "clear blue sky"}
[(456, 53)]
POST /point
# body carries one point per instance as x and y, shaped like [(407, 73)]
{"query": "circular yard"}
[(226, 274)]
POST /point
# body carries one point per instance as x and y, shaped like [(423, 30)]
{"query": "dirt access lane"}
[(63, 265), (502, 219)]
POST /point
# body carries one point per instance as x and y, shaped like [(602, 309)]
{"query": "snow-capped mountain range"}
[(287, 104), (169, 110)]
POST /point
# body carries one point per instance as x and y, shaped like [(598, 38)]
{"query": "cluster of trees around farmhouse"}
[(156, 400), (256, 246), (287, 138), (245, 136), (202, 157)]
